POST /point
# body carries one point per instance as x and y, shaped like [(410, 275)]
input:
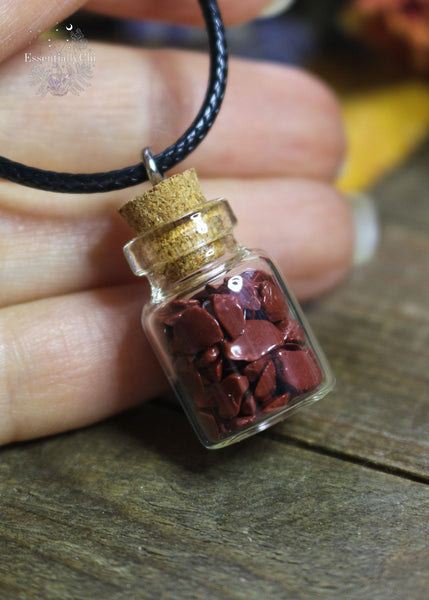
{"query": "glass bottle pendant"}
[(228, 332)]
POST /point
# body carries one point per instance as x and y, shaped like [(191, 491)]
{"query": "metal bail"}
[(150, 165)]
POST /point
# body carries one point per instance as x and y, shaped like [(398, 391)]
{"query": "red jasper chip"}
[(298, 368), (273, 301), (248, 406), (244, 291), (257, 276), (202, 296), (213, 371), (208, 423), (170, 313), (240, 422), (292, 331), (208, 356), (233, 387), (210, 290), (267, 382), (228, 407), (229, 314), (248, 298), (195, 330), (275, 403), (259, 338), (192, 381), (254, 369)]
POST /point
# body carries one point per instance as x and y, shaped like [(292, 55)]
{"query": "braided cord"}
[(81, 183)]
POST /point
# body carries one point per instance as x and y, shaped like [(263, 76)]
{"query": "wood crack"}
[(357, 460)]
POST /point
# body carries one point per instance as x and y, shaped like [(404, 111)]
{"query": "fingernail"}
[(366, 226), (276, 7)]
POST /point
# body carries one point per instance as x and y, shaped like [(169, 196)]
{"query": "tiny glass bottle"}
[(230, 336)]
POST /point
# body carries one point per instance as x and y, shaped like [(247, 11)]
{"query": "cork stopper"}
[(178, 231), (168, 201)]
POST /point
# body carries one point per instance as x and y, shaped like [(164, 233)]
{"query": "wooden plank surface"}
[(134, 508), (375, 331)]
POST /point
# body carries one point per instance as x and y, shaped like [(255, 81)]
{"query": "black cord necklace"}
[(84, 183)]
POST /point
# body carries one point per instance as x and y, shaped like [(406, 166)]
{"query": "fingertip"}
[(327, 238), (308, 289)]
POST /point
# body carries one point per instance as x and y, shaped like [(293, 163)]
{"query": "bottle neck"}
[(210, 261), (181, 249)]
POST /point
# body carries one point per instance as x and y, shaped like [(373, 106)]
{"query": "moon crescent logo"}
[(69, 27)]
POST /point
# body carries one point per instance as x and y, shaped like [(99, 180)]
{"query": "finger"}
[(21, 21), (305, 225), (186, 11), (275, 121), (69, 361)]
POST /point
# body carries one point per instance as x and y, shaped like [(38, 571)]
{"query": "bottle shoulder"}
[(243, 259)]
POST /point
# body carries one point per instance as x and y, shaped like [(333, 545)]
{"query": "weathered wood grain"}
[(375, 330), (134, 508)]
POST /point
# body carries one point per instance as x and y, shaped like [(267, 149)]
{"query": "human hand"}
[(71, 346)]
